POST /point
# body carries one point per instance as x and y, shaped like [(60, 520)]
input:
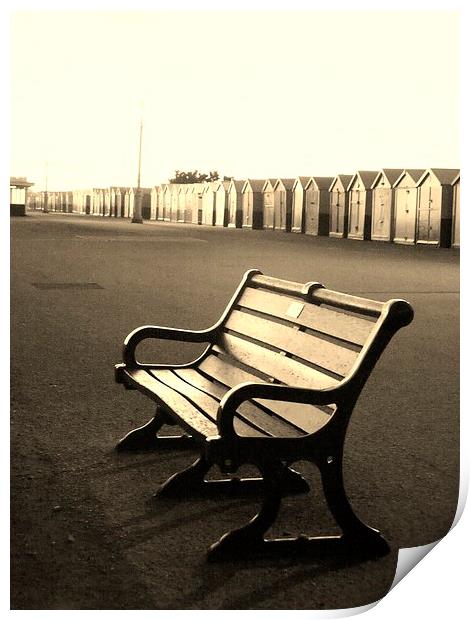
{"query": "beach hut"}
[(161, 202), (63, 202), (160, 189), (86, 202), (283, 204), (127, 195), (405, 206), (119, 201), (154, 195), (101, 201), (339, 202), (112, 202), (434, 218), (57, 202), (235, 204), (131, 201), (115, 200), (166, 201), (456, 212), (360, 204), (107, 201), (174, 189), (181, 202), (383, 195), (208, 203), (31, 201), (196, 203), (97, 201), (317, 206), (145, 205), (188, 203), (298, 204), (69, 201), (145, 201), (77, 200), (221, 203), (19, 195), (252, 203), (268, 203)]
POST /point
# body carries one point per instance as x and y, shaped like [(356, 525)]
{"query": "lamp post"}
[(137, 215), (46, 197)]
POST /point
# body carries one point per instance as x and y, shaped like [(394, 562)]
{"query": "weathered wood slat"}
[(190, 417), (323, 353), (307, 417), (249, 410), (368, 307), (202, 401), (273, 364), (277, 284), (325, 320)]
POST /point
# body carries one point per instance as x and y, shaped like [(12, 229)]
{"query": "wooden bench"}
[(277, 383)]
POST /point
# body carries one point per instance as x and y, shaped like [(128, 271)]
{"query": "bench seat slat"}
[(273, 364), (202, 401), (306, 417), (190, 417), (325, 320), (321, 352), (249, 410)]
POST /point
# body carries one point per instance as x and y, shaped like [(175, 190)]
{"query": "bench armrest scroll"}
[(247, 391), (161, 333)]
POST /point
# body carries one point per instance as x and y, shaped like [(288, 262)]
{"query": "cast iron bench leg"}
[(357, 539), (190, 481), (145, 437), (249, 539), (356, 533)]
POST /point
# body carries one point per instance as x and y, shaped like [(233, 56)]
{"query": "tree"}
[(194, 177)]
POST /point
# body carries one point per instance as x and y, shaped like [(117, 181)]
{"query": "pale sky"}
[(250, 94)]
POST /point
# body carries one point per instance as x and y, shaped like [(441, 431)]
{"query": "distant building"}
[(18, 195)]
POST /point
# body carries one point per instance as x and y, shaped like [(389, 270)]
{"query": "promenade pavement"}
[(84, 533)]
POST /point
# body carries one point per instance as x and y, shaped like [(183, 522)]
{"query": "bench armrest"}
[(161, 333), (247, 391)]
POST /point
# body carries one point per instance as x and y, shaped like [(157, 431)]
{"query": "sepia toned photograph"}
[(234, 304)]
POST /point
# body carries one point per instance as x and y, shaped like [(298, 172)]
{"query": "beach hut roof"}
[(321, 182), (445, 176), (237, 184), (415, 174), (255, 184), (391, 174), (367, 177), (344, 180), (287, 183)]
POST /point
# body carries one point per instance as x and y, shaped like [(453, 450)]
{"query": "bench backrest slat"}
[(272, 364), (323, 353), (324, 320), (306, 417)]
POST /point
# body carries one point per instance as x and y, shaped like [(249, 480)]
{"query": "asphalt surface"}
[(84, 533)]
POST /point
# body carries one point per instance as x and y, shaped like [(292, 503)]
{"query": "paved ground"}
[(84, 534)]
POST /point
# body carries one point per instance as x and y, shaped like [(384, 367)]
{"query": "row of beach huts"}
[(401, 206)]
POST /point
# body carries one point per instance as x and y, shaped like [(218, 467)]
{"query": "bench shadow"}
[(216, 576), (163, 527)]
